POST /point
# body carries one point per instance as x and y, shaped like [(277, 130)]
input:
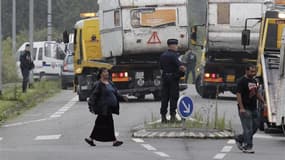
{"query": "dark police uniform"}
[(169, 63), (26, 66)]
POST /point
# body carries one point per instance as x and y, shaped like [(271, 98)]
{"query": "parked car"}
[(67, 72)]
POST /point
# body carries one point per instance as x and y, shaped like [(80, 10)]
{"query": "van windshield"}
[(153, 17)]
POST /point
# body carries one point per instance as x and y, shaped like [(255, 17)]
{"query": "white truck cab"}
[(48, 58)]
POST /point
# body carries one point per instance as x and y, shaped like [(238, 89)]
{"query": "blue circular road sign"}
[(184, 106)]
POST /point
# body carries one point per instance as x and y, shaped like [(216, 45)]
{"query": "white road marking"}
[(220, 156), (1, 138), (64, 108), (149, 147), (27, 122), (232, 141), (152, 134), (59, 112), (138, 140), (55, 116), (171, 134), (227, 149), (162, 134), (48, 137), (162, 154)]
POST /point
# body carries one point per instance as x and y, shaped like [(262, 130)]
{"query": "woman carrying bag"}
[(104, 101)]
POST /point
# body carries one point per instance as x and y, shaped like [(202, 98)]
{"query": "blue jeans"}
[(249, 121)]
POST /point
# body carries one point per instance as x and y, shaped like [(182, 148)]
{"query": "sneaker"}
[(248, 151), (239, 145)]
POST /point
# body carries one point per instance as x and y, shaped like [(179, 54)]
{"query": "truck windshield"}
[(153, 17)]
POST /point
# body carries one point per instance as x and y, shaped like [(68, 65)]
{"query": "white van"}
[(48, 58)]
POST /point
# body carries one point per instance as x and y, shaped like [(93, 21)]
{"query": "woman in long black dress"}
[(104, 101)]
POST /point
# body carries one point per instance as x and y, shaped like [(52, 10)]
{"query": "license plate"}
[(139, 75), (84, 87), (230, 78)]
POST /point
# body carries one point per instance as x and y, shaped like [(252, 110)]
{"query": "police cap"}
[(172, 41)]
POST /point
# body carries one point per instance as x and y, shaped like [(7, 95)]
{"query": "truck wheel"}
[(42, 76), (81, 97), (63, 85), (157, 96), (283, 125), (261, 118), (204, 92)]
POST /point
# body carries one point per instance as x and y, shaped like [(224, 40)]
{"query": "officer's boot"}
[(163, 119), (173, 118)]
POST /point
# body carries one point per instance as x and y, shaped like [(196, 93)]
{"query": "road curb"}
[(198, 134)]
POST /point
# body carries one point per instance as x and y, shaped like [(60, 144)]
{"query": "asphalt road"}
[(56, 128)]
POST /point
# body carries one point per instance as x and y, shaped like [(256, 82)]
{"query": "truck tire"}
[(63, 85), (283, 125), (204, 92), (82, 97)]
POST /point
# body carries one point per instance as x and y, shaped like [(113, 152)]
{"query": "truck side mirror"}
[(65, 37), (245, 38), (194, 35)]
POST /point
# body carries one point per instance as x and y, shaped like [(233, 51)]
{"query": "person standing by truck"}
[(191, 64), (172, 70), (247, 95), (26, 64)]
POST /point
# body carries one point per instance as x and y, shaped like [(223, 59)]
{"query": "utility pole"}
[(49, 21), (14, 28), (31, 35), (1, 86)]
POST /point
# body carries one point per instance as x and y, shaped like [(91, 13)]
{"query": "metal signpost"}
[(1, 48), (185, 108)]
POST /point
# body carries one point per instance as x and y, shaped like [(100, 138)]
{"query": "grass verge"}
[(13, 102), (198, 121)]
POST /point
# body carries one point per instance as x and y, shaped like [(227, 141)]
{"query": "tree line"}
[(64, 14)]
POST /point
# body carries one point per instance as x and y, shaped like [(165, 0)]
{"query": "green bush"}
[(13, 101)]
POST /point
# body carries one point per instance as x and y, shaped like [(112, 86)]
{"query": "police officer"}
[(172, 70), (26, 65)]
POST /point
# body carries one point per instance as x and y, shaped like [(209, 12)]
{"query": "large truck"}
[(271, 65), (87, 55), (216, 26), (133, 36), (128, 37)]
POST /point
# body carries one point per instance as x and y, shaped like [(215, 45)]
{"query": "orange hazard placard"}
[(154, 39), (281, 2)]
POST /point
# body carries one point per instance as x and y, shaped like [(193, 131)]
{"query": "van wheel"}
[(42, 76)]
